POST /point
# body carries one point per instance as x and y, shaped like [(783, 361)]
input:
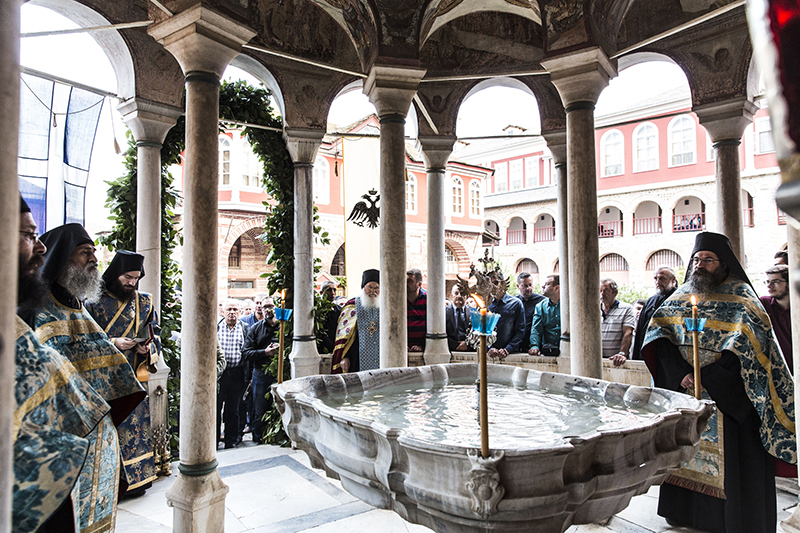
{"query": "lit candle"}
[(280, 338), (695, 348), (484, 389)]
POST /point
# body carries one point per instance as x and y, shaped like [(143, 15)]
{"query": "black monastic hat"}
[(124, 261), (60, 243), (370, 275)]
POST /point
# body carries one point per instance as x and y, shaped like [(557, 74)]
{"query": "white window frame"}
[(474, 199), (763, 125), (501, 177), (225, 146), (321, 181), (457, 196), (604, 145), (532, 175), (671, 140), (411, 193), (711, 154), (516, 175), (636, 148), (250, 166)]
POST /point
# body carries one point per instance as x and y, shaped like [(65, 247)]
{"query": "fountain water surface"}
[(564, 450)]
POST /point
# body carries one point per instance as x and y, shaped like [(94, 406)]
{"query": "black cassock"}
[(750, 505)]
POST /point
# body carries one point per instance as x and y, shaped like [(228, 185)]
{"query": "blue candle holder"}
[(283, 314), (690, 324), (478, 325)]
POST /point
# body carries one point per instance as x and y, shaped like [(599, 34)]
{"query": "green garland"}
[(242, 103)]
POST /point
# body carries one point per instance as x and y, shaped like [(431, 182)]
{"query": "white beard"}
[(83, 284), (367, 301)]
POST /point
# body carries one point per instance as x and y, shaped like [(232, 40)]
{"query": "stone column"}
[(150, 122), (436, 151), (390, 89), (9, 241), (580, 77), (204, 42), (725, 123), (557, 143), (303, 145)]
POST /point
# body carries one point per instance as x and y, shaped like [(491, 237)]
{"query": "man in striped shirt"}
[(231, 333), (416, 310)]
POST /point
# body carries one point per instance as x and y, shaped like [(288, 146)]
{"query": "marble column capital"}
[(202, 39), (436, 150), (582, 75), (726, 120), (390, 88), (557, 144), (303, 143), (148, 120)]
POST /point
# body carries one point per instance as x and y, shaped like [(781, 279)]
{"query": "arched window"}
[(613, 263), (663, 258), (682, 141), (458, 196), (411, 193), (337, 264), (224, 160), (612, 153), (645, 148), (322, 181), (528, 265), (235, 257), (474, 198), (748, 219)]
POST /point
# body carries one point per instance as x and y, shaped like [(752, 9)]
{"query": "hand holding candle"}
[(695, 348)]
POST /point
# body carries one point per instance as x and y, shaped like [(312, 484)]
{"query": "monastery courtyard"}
[(275, 490)]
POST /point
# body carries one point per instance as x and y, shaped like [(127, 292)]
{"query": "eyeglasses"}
[(773, 282), (32, 236), (706, 261)]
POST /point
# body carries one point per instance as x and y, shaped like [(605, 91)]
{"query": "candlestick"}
[(280, 338), (484, 406), (695, 349)]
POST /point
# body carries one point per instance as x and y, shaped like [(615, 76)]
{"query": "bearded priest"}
[(357, 345)]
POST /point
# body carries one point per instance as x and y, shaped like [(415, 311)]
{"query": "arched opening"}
[(516, 232), (664, 258), (544, 229), (235, 256), (616, 267), (493, 236), (748, 218), (647, 218), (689, 214), (609, 223), (527, 265), (337, 264), (450, 260)]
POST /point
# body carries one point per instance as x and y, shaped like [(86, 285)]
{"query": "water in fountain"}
[(518, 417)]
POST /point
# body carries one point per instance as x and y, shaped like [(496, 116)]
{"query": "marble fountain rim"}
[(301, 394)]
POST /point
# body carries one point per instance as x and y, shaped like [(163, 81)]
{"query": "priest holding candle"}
[(729, 486)]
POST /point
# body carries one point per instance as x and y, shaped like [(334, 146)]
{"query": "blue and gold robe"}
[(73, 333), (131, 319), (58, 414)]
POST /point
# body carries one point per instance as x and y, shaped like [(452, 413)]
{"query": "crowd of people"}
[(87, 342)]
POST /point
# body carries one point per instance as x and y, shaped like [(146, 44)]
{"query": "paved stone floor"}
[(275, 490)]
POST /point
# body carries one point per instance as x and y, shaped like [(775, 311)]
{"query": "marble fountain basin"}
[(530, 487)]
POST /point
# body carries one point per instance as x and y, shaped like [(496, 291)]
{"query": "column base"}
[(564, 359), (436, 352), (304, 359), (198, 503)]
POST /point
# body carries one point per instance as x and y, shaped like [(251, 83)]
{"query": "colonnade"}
[(204, 42)]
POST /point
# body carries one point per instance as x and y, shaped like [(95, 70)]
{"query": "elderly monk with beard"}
[(62, 323), (58, 415), (357, 345), (128, 318), (729, 486)]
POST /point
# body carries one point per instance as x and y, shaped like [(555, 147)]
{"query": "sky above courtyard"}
[(488, 112)]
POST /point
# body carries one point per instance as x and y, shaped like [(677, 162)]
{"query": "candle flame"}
[(483, 311), (478, 300), (283, 293), (694, 300)]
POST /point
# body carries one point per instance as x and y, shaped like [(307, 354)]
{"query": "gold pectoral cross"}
[(372, 328)]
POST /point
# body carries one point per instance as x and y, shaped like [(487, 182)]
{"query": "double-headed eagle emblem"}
[(361, 213)]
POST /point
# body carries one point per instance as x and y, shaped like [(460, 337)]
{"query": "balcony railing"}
[(611, 228), (544, 234), (747, 217), (781, 218), (515, 236), (689, 222), (645, 225)]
